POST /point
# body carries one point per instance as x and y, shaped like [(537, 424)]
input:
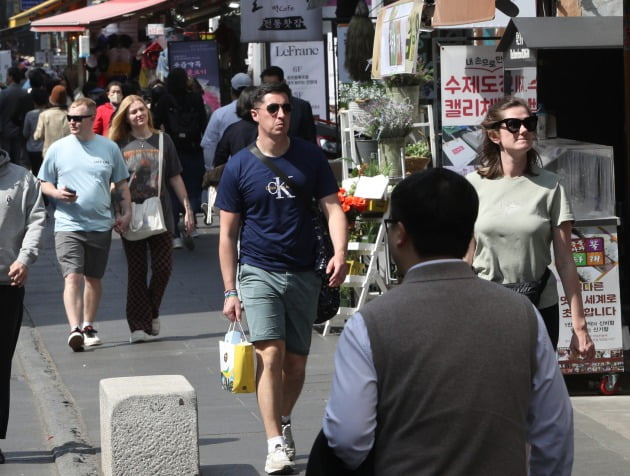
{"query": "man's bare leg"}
[(270, 356), (73, 299)]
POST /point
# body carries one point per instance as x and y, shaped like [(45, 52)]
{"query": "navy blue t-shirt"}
[(276, 227)]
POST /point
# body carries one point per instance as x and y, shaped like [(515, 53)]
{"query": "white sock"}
[(273, 442), (85, 324), (286, 420)]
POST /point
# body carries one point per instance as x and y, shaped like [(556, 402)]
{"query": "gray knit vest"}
[(454, 357)]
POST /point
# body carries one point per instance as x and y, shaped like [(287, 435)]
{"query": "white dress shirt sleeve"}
[(350, 417), (550, 418)]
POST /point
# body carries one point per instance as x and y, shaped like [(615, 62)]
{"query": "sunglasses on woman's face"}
[(273, 108), (514, 125)]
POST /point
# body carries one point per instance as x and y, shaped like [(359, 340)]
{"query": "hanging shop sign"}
[(155, 29), (303, 65), (279, 20), (595, 252), (200, 59), (396, 38)]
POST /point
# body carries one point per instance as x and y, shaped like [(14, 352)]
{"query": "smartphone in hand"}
[(71, 190)]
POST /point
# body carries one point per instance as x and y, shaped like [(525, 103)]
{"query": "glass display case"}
[(587, 173)]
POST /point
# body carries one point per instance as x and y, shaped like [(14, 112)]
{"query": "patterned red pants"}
[(143, 301)]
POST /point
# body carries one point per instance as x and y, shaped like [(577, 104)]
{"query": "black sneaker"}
[(187, 238), (75, 339)]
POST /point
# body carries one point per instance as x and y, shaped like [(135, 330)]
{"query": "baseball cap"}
[(240, 80)]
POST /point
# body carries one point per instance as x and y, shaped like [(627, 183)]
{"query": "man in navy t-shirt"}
[(278, 284)]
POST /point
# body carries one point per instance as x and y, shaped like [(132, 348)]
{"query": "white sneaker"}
[(140, 336), (155, 327), (89, 336), (278, 462), (178, 244), (75, 339), (288, 438)]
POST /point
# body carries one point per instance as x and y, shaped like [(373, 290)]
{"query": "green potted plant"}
[(406, 86), (389, 121), (417, 156)]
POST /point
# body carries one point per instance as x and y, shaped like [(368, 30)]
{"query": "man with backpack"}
[(183, 116)]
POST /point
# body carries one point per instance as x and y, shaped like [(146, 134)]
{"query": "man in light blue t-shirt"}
[(77, 172)]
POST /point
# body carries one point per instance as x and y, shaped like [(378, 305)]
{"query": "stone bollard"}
[(149, 426)]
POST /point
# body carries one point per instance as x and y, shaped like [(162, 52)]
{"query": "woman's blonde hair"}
[(489, 158), (120, 128)]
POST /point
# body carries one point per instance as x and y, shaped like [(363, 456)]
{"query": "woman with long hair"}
[(523, 210), (132, 129)]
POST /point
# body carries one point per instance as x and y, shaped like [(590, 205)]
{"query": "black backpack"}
[(182, 122)]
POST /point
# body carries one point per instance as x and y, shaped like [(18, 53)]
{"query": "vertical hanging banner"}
[(595, 252), (279, 20), (303, 65), (200, 59)]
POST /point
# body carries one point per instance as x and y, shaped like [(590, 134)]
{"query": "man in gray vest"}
[(446, 373)]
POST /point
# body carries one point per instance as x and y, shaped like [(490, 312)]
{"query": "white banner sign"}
[(595, 253), (275, 20), (303, 66), (472, 80)]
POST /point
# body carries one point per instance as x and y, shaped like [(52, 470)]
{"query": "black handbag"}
[(329, 297), (531, 289)]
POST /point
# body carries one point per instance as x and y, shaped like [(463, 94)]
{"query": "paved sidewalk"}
[(55, 394)]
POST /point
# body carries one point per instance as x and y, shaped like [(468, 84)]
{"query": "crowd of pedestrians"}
[(93, 159)]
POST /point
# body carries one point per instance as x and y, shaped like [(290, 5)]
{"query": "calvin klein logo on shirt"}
[(279, 189)]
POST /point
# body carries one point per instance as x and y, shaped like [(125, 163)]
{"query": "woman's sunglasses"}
[(514, 125), (273, 108)]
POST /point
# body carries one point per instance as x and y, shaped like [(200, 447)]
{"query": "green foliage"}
[(418, 149), (359, 92)]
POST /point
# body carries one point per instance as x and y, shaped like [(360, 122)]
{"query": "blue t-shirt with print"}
[(276, 227), (89, 168)]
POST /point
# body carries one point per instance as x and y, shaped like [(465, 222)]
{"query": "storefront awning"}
[(106, 12), (564, 32), (39, 10)]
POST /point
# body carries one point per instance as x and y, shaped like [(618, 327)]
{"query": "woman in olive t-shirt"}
[(523, 209)]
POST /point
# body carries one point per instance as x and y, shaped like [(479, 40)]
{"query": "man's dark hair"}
[(15, 73), (36, 77), (273, 71), (269, 88), (39, 96), (438, 208)]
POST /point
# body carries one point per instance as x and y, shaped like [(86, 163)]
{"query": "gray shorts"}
[(83, 252), (280, 305)]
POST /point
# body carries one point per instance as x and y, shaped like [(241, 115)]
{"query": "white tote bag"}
[(147, 218)]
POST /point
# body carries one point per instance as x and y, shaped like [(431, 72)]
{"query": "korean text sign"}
[(199, 58), (595, 253), (279, 20)]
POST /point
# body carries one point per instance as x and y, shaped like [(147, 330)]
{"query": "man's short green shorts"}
[(280, 305)]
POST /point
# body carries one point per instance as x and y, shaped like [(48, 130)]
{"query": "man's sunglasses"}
[(514, 125), (77, 118), (273, 108)]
